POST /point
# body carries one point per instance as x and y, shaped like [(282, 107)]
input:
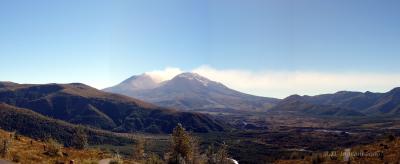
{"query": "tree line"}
[(184, 149)]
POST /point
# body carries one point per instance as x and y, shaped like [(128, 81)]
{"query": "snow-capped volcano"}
[(190, 91), (194, 77)]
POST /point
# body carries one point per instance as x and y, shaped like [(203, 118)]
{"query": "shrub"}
[(17, 137), (116, 159), (317, 159), (391, 137), (53, 148), (89, 162), (16, 158), (5, 147), (154, 159)]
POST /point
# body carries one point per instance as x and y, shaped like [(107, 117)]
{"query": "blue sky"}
[(103, 42)]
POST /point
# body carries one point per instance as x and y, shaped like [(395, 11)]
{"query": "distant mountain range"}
[(343, 103), (190, 91), (80, 104)]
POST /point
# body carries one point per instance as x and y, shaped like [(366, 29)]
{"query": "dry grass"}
[(387, 151), (29, 151)]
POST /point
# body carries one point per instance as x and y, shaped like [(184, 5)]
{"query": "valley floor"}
[(271, 140)]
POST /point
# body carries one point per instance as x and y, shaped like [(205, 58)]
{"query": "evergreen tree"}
[(219, 156), (184, 147), (181, 150), (222, 155), (138, 151), (79, 139)]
